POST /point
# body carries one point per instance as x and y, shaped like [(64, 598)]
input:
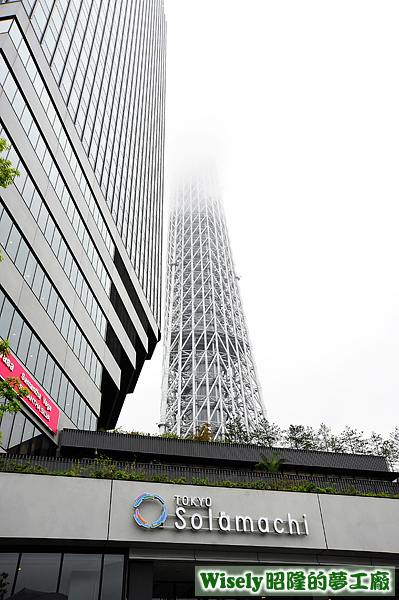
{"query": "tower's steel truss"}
[(209, 374)]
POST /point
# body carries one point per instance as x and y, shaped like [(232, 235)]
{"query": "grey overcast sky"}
[(297, 101)]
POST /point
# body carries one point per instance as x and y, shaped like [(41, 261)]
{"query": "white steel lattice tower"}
[(209, 374)]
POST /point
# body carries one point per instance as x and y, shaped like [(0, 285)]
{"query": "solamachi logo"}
[(139, 519)]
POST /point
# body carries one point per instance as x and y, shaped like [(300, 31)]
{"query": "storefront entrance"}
[(80, 575)]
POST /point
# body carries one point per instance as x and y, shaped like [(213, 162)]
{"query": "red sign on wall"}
[(37, 401)]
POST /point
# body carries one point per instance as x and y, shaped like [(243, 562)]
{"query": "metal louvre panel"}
[(218, 451)]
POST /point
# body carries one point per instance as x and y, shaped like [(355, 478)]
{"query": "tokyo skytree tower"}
[(209, 374)]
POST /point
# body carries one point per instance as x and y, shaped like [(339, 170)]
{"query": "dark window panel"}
[(74, 274), (38, 281), (49, 231), (26, 437), (26, 119), (32, 354), (55, 245), (8, 564), (59, 314), (15, 331), (94, 313), (10, 87), (53, 174), (65, 324), (43, 216), (3, 71), (24, 343), (16, 432), (59, 187), (55, 385), (38, 571), (62, 392), (83, 295), (36, 441), (6, 428), (90, 357), (89, 301), (79, 284), (22, 256), (18, 104), (40, 148), (45, 292), (75, 408), (112, 580), (40, 364), (77, 342), (23, 52), (87, 421), (13, 243), (36, 205), (82, 415), (21, 180), (5, 228), (98, 375), (69, 400), (83, 350), (52, 303), (71, 333), (28, 430), (48, 374), (80, 577), (62, 253), (33, 134), (93, 368), (30, 270), (68, 264)]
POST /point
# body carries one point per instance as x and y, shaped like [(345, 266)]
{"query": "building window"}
[(79, 576), (39, 362)]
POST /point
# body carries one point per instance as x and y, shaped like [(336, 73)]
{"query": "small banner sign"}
[(297, 581), (37, 401)]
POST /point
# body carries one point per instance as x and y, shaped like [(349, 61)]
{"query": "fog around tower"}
[(209, 372), (297, 103)]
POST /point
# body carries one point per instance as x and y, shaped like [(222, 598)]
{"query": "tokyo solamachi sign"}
[(37, 401), (199, 513)]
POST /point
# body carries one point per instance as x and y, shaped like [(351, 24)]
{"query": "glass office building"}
[(82, 86), (209, 369)]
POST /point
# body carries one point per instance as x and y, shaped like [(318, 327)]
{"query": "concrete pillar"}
[(140, 580)]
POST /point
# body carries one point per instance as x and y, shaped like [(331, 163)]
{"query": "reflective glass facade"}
[(82, 86), (108, 60)]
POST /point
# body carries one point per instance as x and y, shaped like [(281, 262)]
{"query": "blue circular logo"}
[(139, 519)]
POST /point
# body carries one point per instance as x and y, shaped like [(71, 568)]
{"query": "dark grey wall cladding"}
[(216, 451)]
